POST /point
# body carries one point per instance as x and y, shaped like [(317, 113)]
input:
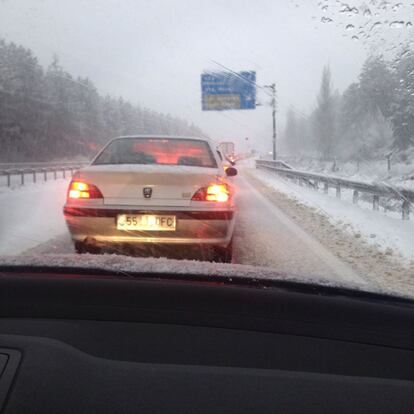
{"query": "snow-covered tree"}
[(403, 109), (44, 115), (292, 132), (324, 117)]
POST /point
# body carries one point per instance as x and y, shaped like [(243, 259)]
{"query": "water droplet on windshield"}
[(376, 25), (326, 20), (349, 10), (408, 24), (397, 24), (367, 12), (396, 7), (355, 38), (350, 27)]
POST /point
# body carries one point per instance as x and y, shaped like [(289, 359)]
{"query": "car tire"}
[(79, 247), (224, 254), (82, 248)]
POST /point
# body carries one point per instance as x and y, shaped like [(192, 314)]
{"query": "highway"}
[(32, 221)]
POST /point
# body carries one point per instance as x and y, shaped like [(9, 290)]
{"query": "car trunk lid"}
[(148, 185)]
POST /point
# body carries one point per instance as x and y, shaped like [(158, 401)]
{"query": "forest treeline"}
[(48, 114), (373, 117)]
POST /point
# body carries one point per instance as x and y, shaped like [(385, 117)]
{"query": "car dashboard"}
[(100, 342)]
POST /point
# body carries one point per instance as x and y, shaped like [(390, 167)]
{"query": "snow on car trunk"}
[(169, 185)]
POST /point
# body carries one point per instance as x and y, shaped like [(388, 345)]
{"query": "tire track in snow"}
[(266, 236)]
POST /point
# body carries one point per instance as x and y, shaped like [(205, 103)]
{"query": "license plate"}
[(146, 222)]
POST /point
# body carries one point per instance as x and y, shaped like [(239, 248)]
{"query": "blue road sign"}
[(223, 91)]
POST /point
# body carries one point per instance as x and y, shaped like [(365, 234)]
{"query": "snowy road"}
[(32, 223), (265, 236)]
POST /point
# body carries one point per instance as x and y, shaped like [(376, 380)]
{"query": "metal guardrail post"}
[(375, 202), (326, 188), (406, 210), (54, 173), (45, 174), (355, 197), (8, 179), (22, 178), (338, 191), (34, 176), (64, 172), (388, 157)]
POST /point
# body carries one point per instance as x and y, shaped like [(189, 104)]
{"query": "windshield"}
[(269, 139), (157, 151)]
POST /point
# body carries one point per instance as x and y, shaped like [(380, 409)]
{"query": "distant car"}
[(157, 191), (227, 162)]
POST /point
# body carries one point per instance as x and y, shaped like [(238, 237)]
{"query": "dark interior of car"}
[(191, 161), (106, 342)]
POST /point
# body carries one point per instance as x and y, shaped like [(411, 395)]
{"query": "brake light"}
[(216, 192), (79, 189)]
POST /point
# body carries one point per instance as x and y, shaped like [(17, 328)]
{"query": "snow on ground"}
[(31, 220), (30, 215), (390, 234), (266, 236), (378, 248)]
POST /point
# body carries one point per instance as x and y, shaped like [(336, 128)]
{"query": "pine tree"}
[(377, 86), (46, 115), (403, 109), (291, 132), (324, 120)]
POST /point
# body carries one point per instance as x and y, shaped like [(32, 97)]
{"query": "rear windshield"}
[(161, 151)]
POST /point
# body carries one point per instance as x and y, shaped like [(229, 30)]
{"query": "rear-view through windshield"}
[(186, 152)]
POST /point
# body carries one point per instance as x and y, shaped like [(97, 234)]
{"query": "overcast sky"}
[(153, 52)]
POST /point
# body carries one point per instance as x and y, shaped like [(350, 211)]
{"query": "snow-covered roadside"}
[(390, 235), (31, 215), (378, 264)]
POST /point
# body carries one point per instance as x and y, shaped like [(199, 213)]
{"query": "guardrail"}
[(375, 190), (10, 165), (22, 170)]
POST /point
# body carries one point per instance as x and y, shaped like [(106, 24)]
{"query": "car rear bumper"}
[(99, 226)]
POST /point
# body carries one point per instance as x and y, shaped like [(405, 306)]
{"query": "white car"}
[(153, 191)]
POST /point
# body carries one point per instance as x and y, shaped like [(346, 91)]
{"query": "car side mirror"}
[(231, 172)]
